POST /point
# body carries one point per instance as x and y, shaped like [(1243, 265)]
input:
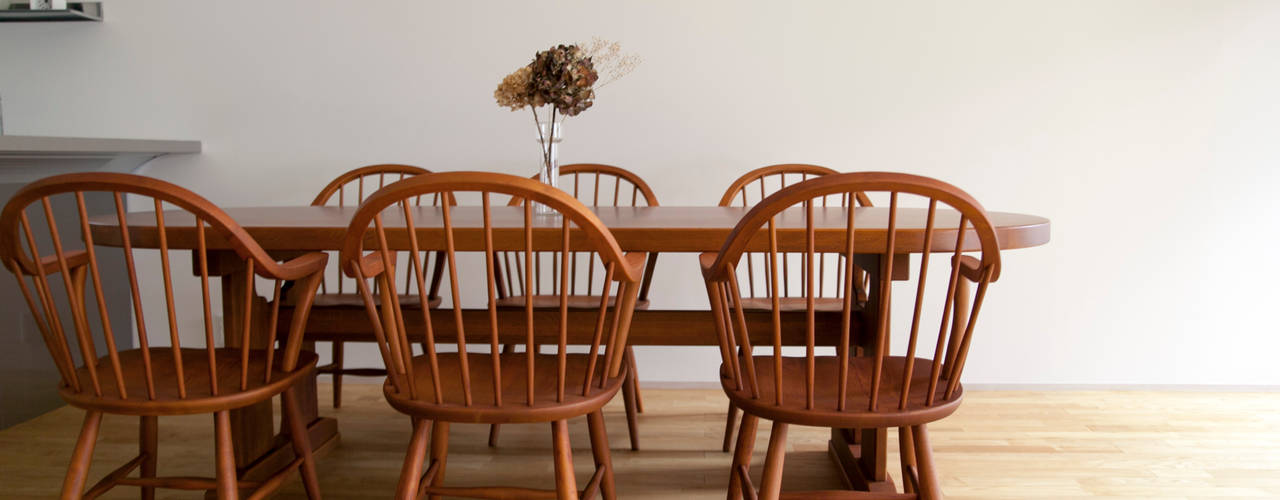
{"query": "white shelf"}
[(26, 158), (75, 11), (79, 147)]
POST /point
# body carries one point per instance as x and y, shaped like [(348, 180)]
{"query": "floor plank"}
[(1000, 444)]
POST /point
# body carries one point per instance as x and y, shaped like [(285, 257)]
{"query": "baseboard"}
[(1031, 387), (1125, 387), (679, 384)]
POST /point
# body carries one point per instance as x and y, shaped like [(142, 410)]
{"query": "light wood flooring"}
[(1001, 444)]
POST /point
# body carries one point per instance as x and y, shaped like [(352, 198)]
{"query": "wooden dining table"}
[(289, 230)]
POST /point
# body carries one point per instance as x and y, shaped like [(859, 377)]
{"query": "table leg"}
[(959, 320), (861, 453), (252, 429), (306, 392), (259, 452)]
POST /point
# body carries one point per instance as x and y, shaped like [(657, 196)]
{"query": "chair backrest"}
[(596, 185), (620, 187), (961, 225), (368, 258), (350, 189), (757, 184), (28, 221)]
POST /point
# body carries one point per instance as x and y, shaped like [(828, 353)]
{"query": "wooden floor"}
[(999, 445)]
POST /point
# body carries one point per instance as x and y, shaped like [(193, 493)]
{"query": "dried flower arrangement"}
[(564, 78)]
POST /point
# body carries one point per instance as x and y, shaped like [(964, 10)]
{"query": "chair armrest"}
[(970, 267), (370, 265), (75, 259), (298, 267), (705, 261), (634, 262)]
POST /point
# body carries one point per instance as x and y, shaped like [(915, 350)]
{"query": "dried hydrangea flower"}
[(563, 77), (609, 61), (513, 92)]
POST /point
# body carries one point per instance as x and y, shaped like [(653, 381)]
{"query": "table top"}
[(652, 229)]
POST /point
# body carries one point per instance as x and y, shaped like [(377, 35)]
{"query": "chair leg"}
[(301, 444), (566, 484), (148, 430), (929, 487), (771, 482), (495, 428), (907, 452), (600, 451), (493, 434), (633, 376), (337, 373), (732, 415), (742, 454), (78, 470), (411, 471), (629, 402), (439, 452), (226, 461)]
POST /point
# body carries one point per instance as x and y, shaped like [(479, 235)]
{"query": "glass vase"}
[(549, 137)]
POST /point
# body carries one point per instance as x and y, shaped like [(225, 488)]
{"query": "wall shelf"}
[(27, 158), (75, 11)]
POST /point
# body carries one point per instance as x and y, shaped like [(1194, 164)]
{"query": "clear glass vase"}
[(549, 137)]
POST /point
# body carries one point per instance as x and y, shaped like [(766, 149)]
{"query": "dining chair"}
[(746, 191), (881, 389), (61, 280), (337, 297), (597, 185), (453, 381)]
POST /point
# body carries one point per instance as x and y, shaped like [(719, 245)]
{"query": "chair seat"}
[(354, 301), (575, 302), (195, 372), (856, 413), (515, 406), (343, 305), (793, 304)]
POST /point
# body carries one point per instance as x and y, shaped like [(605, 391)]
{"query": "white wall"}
[(1146, 130)]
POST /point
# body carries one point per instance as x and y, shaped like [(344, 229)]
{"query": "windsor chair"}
[(440, 387), (879, 390), (620, 187), (336, 294), (149, 382), (754, 186)]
